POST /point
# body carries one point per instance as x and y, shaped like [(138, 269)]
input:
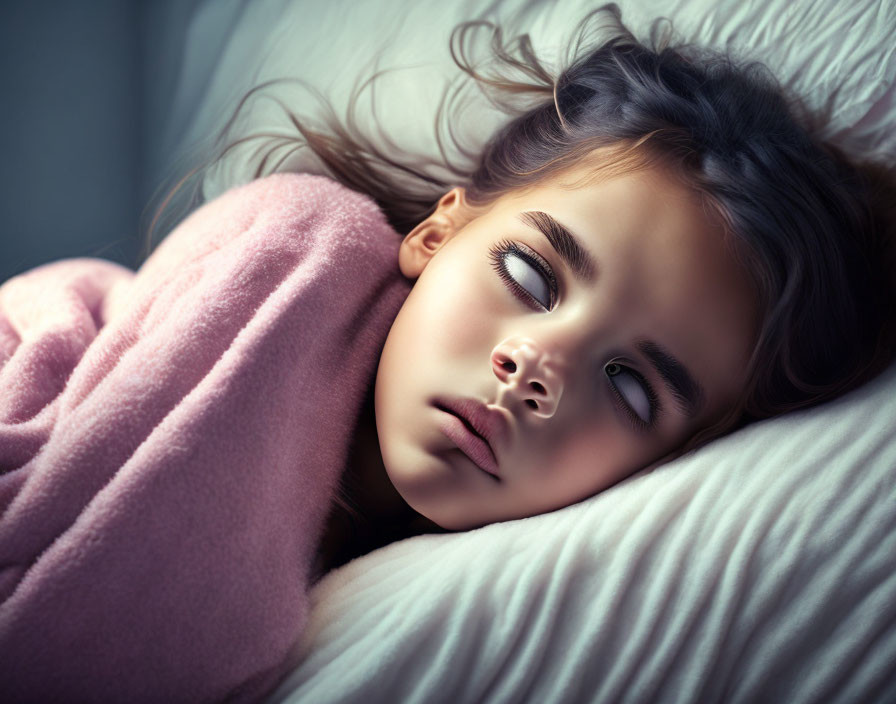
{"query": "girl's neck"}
[(377, 514), (366, 481)]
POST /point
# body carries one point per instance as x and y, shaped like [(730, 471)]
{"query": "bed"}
[(760, 568)]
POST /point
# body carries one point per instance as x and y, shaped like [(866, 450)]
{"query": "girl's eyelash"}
[(499, 251), (655, 408)]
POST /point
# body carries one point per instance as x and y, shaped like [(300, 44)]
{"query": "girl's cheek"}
[(471, 317)]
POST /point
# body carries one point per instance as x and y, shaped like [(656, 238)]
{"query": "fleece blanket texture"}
[(171, 439)]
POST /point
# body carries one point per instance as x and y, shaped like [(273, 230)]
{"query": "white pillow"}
[(836, 55), (760, 569)]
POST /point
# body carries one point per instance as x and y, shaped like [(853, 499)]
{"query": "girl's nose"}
[(528, 376)]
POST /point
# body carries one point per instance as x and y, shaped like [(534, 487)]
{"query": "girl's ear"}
[(428, 237)]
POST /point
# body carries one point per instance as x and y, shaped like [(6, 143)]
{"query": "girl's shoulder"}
[(315, 211), (284, 219), (290, 198)]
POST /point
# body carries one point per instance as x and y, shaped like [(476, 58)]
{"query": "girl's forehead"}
[(623, 214), (614, 190)]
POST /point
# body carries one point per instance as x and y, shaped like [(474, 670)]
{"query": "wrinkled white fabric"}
[(761, 568)]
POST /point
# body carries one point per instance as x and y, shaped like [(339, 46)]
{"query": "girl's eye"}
[(527, 274), (632, 389)]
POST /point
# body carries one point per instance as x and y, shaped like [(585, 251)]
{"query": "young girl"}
[(655, 255)]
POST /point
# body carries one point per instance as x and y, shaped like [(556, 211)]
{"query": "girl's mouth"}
[(461, 433)]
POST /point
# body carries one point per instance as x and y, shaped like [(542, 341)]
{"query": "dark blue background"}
[(85, 90)]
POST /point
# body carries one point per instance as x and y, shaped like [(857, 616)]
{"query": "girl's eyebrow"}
[(689, 395), (564, 242)]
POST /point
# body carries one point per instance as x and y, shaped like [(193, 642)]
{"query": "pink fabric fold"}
[(170, 442)]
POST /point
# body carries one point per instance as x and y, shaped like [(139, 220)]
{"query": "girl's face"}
[(595, 352)]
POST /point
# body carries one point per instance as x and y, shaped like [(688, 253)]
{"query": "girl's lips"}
[(469, 443)]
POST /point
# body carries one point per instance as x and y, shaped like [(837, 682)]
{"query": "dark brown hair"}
[(810, 225)]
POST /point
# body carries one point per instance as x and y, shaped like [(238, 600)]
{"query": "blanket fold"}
[(170, 441)]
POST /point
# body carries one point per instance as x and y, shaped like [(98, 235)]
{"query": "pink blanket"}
[(170, 441)]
